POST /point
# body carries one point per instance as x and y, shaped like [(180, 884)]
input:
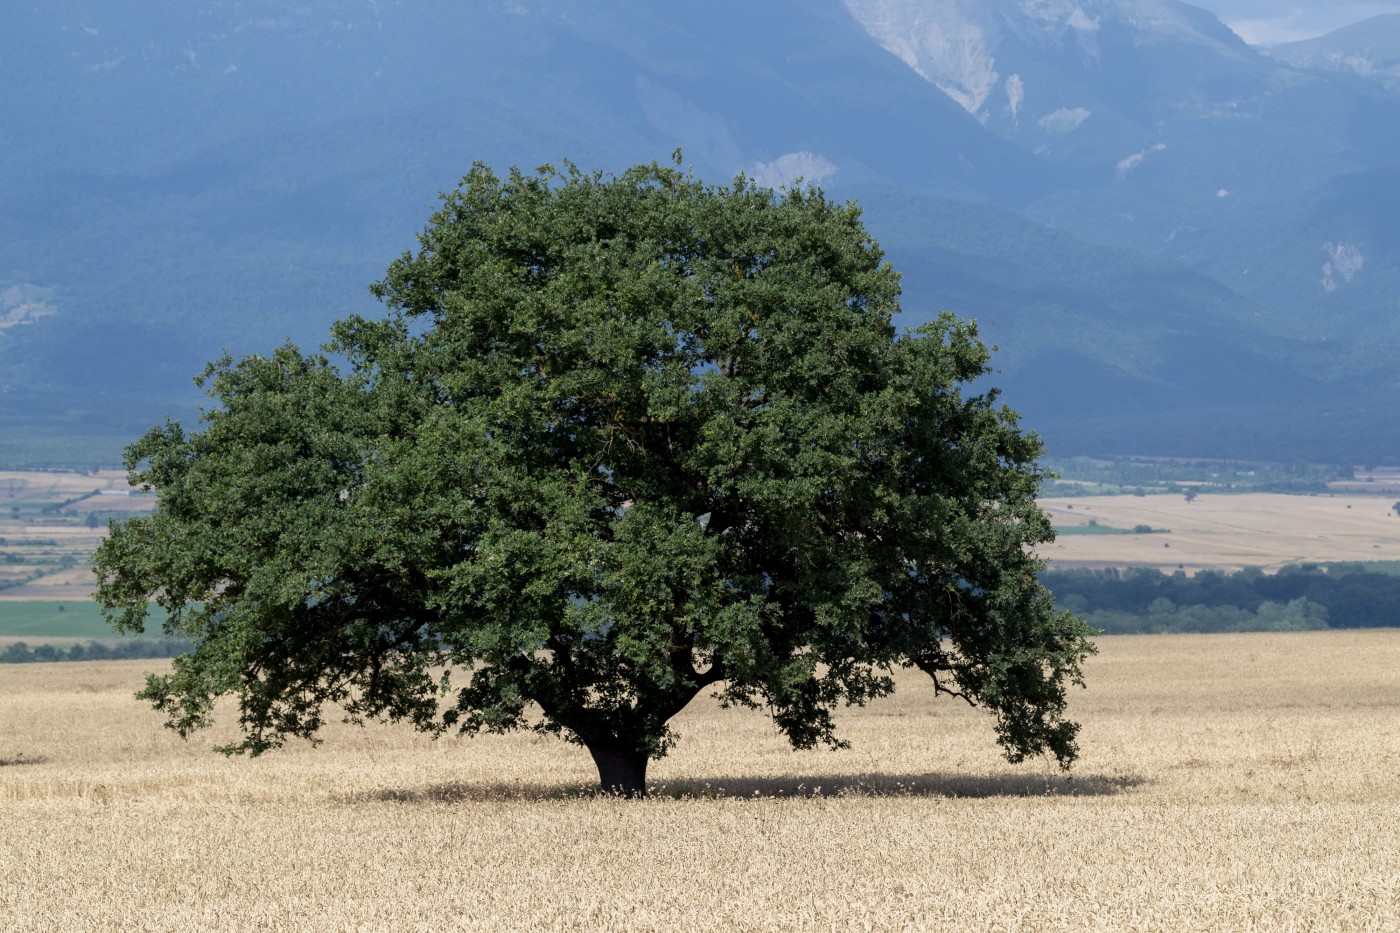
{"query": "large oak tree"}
[(618, 440)]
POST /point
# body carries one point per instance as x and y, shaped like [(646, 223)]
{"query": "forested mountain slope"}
[(1181, 245)]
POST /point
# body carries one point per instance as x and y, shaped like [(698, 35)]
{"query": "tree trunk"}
[(620, 772)]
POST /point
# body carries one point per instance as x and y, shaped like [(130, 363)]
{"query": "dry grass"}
[(1227, 782), (1225, 532)]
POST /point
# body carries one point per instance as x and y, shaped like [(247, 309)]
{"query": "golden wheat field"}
[(1227, 782)]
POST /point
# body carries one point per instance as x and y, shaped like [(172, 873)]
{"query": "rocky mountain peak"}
[(975, 50)]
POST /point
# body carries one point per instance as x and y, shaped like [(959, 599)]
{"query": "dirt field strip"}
[(1225, 532), (1227, 782)]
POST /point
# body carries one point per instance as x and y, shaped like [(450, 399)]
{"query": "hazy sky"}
[(1268, 22)]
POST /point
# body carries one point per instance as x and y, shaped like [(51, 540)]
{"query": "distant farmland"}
[(49, 525), (1223, 532), (46, 534)]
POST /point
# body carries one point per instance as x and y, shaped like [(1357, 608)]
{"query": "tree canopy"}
[(618, 440)]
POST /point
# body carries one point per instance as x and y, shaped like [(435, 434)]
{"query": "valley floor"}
[(1227, 782), (1222, 531)]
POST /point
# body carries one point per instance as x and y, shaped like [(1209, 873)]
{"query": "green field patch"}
[(1094, 528), (42, 630), (42, 619), (1071, 530)]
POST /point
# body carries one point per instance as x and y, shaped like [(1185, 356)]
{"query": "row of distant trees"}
[(165, 647), (1308, 596)]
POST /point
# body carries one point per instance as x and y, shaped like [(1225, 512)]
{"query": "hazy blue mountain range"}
[(1369, 49), (1180, 244), (1270, 23)]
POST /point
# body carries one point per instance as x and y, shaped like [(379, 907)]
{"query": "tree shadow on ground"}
[(944, 785)]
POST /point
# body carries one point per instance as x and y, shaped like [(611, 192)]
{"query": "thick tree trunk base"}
[(622, 774)]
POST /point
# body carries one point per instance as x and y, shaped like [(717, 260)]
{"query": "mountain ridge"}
[(1369, 49)]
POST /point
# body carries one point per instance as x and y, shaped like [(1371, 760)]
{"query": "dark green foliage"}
[(1307, 596), (619, 440)]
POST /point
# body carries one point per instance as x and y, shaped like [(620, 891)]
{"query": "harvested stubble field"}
[(1227, 782), (1224, 532)]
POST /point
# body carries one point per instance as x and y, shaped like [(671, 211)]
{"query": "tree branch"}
[(931, 667)]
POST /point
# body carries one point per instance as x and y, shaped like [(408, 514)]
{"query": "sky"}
[(1269, 22)]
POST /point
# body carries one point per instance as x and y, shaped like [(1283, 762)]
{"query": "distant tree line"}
[(126, 649), (1309, 596)]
